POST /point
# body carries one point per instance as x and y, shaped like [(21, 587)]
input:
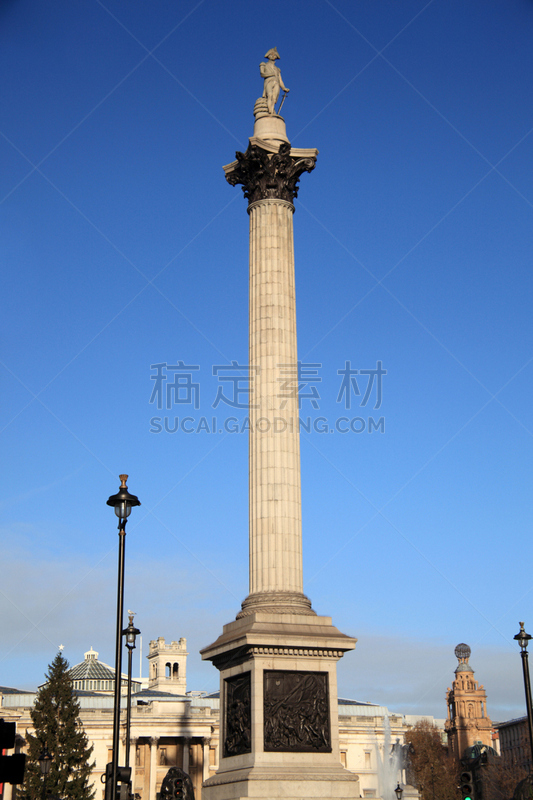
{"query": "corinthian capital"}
[(267, 175)]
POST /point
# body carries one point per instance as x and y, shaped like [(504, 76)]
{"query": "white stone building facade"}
[(173, 727)]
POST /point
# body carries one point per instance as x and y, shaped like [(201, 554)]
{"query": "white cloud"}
[(411, 675)]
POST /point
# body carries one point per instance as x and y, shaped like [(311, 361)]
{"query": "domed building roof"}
[(463, 667), (92, 675)]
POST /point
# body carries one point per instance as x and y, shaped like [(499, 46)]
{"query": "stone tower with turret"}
[(468, 722), (168, 666)]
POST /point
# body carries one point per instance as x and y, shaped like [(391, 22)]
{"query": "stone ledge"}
[(281, 773), (333, 783)]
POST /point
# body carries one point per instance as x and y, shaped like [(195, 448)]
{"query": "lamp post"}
[(398, 791), (45, 762), (523, 640), (131, 633), (122, 502)]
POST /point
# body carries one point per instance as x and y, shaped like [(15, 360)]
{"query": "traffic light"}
[(176, 785), (123, 783), (11, 767), (178, 789), (7, 735), (123, 786), (467, 785)]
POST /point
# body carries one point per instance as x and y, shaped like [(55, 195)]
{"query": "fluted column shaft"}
[(270, 183), (274, 482)]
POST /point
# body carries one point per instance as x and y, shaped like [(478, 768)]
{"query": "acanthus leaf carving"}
[(266, 175)]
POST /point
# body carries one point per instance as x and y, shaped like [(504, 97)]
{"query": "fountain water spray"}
[(389, 765)]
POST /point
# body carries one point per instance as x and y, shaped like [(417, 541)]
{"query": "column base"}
[(276, 603)]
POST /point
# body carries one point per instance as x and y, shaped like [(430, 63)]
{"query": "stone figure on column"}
[(273, 81)]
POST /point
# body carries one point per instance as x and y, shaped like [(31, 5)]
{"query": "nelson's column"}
[(277, 660)]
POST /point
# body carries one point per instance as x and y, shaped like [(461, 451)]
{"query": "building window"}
[(343, 758), (369, 792), (175, 671), (167, 670), (368, 759)]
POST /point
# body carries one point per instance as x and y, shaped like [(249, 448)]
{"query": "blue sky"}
[(125, 247)]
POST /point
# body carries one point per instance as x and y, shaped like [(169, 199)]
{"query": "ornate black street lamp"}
[(45, 762), (122, 502), (398, 791), (131, 633), (523, 640)]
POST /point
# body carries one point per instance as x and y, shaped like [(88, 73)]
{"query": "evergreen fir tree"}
[(57, 727)]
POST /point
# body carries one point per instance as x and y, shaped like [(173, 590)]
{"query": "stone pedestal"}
[(270, 127), (278, 709), (277, 660)]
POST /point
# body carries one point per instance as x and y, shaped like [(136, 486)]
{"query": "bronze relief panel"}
[(296, 712), (238, 715)]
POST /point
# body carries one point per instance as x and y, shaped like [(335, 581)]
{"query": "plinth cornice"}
[(265, 635), (265, 171)]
